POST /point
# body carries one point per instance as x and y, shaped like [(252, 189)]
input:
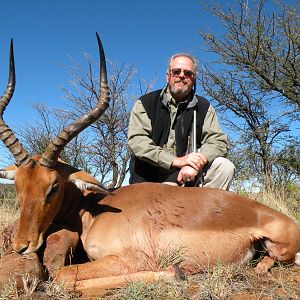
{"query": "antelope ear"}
[(9, 172), (85, 182)]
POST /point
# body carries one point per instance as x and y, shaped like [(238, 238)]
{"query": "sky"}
[(142, 33)]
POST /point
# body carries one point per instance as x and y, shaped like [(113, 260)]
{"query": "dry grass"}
[(35, 290), (9, 209), (167, 290), (170, 257), (217, 283), (225, 282)]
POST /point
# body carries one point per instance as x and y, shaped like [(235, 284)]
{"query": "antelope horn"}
[(51, 154), (6, 135)]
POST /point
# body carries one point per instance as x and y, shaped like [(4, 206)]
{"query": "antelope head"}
[(40, 180)]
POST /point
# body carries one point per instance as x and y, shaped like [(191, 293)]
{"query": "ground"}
[(232, 282)]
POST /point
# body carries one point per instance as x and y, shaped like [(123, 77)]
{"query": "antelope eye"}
[(54, 188)]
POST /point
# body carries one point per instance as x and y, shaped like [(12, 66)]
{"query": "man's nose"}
[(181, 75)]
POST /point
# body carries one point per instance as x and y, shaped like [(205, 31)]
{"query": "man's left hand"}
[(186, 174)]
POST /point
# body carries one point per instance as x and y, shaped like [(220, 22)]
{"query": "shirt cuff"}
[(166, 159), (208, 153)]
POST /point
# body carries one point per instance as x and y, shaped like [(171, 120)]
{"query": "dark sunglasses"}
[(177, 71)]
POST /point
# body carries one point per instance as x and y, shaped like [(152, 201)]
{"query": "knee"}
[(225, 166), (219, 174)]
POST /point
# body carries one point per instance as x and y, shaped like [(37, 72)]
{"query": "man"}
[(171, 143)]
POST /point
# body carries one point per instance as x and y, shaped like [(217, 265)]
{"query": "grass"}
[(35, 290), (170, 257), (217, 283), (168, 290), (9, 210)]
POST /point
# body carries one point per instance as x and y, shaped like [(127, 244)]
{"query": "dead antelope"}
[(125, 232)]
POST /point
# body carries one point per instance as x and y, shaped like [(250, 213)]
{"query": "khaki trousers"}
[(217, 174)]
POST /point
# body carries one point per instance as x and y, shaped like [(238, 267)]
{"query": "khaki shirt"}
[(214, 141)]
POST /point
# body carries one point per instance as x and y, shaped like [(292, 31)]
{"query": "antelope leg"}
[(59, 251), (264, 265), (97, 277)]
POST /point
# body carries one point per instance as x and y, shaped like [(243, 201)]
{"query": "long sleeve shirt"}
[(214, 141)]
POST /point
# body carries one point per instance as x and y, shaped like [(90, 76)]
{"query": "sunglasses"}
[(177, 71)]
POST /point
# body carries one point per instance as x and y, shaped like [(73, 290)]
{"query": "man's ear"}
[(9, 172)]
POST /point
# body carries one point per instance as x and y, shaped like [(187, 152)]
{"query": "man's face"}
[(181, 77)]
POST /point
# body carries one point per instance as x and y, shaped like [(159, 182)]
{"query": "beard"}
[(179, 91), (176, 90)]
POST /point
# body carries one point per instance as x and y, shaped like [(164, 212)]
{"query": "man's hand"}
[(194, 160), (186, 174)]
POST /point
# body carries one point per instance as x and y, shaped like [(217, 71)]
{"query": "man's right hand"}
[(194, 160)]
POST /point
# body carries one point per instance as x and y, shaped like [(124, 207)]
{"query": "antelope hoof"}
[(264, 265)]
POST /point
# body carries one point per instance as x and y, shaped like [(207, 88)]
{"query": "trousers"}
[(218, 174)]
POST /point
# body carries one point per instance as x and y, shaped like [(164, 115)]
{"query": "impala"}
[(125, 232)]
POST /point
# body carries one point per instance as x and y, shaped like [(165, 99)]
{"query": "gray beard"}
[(175, 90)]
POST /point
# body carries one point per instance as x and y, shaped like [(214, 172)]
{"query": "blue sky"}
[(143, 33)]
